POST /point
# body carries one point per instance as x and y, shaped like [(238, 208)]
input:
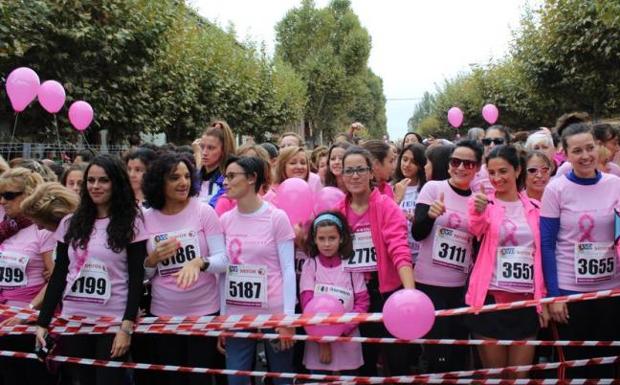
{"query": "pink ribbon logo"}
[(234, 250), (586, 225), (510, 231), (454, 220)]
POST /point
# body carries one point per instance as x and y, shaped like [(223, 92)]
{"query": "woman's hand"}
[(189, 274), (544, 317), (122, 341), (437, 208), (40, 335), (481, 202), (285, 343), (325, 353), (399, 190), (559, 312), (221, 344), (164, 250), (11, 321)]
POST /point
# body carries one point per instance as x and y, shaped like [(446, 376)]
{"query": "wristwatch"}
[(206, 264), (126, 330)]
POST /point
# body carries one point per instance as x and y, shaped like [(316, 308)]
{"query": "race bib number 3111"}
[(452, 249)]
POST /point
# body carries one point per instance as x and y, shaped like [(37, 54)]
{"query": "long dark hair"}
[(510, 154), (417, 150), (123, 208), (439, 156)]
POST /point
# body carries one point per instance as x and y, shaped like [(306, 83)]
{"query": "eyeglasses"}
[(467, 164), (495, 141), (10, 195), (536, 170), (361, 171), (232, 175)]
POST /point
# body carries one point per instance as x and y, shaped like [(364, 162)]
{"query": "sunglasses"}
[(495, 141), (536, 170), (467, 164), (10, 195)]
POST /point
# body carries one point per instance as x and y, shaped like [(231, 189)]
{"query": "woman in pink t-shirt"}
[(441, 225), (381, 251), (261, 276), (508, 265), (99, 269), (25, 256), (329, 243), (185, 255), (494, 136)]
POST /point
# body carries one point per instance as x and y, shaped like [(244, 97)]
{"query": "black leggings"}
[(443, 358)]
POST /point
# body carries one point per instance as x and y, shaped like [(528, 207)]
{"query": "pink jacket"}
[(486, 225), (388, 228)]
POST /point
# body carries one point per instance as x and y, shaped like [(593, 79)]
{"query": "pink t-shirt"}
[(253, 239), (586, 216), (514, 232), (481, 179), (567, 167), (23, 253), (362, 239), (342, 285), (104, 274), (191, 227), (446, 261)]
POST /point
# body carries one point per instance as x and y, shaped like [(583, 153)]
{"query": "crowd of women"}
[(191, 231)]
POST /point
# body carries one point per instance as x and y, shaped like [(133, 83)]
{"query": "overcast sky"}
[(415, 43)]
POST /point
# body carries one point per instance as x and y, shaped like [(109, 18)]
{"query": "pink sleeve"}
[(305, 297), (140, 233), (209, 221), (564, 169), (306, 281), (478, 222), (550, 201), (223, 205), (428, 194), (283, 229), (46, 240)]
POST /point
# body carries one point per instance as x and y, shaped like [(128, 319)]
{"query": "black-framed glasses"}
[(495, 141), (467, 164), (536, 170), (232, 175), (10, 195), (350, 171)]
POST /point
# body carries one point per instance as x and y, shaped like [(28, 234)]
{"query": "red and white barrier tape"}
[(428, 378), (193, 329), (277, 320)]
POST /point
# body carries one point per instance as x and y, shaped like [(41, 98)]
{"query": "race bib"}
[(364, 257), (515, 267), (246, 285), (92, 284), (345, 296), (190, 249), (452, 249), (13, 270), (594, 262)]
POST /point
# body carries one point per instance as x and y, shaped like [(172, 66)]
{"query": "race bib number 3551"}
[(515, 267)]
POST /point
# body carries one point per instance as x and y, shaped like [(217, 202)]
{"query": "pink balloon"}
[(408, 314), (80, 115), (295, 197), (327, 199), (324, 304), (455, 117), (490, 113), (22, 86), (51, 96)]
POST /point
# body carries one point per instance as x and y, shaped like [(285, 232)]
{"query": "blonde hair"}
[(287, 154), (23, 178), (221, 130), (3, 165), (50, 202), (293, 134)]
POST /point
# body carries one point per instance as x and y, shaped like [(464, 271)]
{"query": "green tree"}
[(422, 110)]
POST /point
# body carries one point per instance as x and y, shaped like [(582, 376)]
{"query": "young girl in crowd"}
[(329, 243), (25, 257), (382, 164), (217, 144), (185, 254), (441, 225), (576, 226), (99, 270), (333, 174), (73, 177), (138, 162), (410, 178), (508, 265), (380, 250), (437, 162), (261, 276)]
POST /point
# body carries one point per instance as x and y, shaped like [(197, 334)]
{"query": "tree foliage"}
[(329, 48), (146, 66), (564, 57)]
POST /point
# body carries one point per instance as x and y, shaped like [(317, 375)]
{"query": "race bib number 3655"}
[(246, 285), (189, 249), (452, 249), (594, 262)]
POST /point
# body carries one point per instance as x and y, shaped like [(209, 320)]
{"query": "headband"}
[(327, 217)]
